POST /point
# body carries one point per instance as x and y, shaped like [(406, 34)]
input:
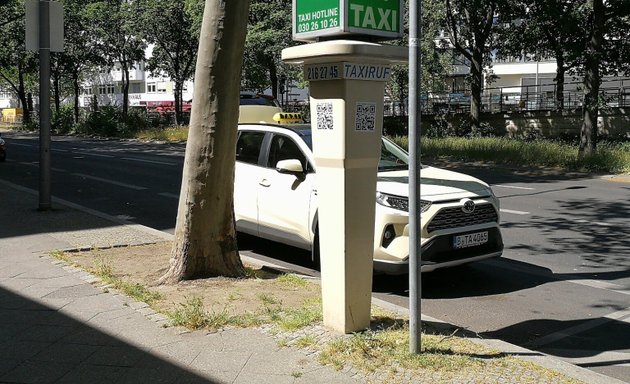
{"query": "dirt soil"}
[(145, 264)]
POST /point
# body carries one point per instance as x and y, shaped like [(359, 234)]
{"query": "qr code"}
[(366, 117), (324, 116)]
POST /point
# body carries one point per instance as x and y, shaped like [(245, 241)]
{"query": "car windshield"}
[(393, 158)]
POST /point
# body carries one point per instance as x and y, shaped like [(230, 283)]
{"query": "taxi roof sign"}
[(288, 118)]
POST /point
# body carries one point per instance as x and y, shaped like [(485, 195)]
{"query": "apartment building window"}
[(102, 89), (110, 89), (135, 88), (161, 87), (151, 88), (86, 91)]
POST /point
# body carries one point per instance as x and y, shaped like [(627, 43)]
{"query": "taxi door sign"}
[(379, 19)]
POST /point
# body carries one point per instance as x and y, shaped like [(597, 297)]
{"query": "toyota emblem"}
[(468, 206)]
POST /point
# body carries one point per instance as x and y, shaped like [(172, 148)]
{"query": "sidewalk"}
[(56, 326)]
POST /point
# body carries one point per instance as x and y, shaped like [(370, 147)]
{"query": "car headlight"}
[(400, 203)]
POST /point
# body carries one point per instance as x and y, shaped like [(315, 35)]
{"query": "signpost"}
[(365, 19), (44, 33)]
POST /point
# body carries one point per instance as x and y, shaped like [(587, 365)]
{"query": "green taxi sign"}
[(317, 19)]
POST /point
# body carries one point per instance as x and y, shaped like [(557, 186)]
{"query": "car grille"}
[(454, 217)]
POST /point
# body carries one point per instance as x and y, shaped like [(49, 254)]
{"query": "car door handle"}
[(264, 182)]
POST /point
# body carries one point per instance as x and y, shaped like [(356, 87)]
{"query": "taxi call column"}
[(346, 83)]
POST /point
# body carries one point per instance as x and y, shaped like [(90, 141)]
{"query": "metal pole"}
[(415, 251), (44, 106)]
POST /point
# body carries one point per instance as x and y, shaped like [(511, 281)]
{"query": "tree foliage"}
[(17, 65), (172, 27), (115, 27), (268, 32)]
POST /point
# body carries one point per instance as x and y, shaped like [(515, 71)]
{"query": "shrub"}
[(63, 121)]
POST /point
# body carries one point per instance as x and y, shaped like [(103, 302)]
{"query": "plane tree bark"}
[(205, 235)]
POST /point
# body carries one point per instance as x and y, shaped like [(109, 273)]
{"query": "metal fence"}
[(542, 97)]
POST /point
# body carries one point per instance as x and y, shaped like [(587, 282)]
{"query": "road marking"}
[(513, 187), (130, 186), (59, 150), (93, 154), (514, 212), (620, 316), (33, 164), (21, 145), (601, 224), (59, 170), (148, 161), (171, 195)]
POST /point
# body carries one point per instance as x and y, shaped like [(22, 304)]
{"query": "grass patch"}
[(609, 157), (292, 280), (171, 134), (295, 318), (192, 314)]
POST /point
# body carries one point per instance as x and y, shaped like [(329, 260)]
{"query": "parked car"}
[(275, 198), (3, 149)]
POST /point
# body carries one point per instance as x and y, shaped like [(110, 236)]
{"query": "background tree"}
[(268, 32), (205, 234), (471, 25), (115, 26), (16, 63), (546, 28), (82, 52), (436, 61), (171, 27), (605, 52)]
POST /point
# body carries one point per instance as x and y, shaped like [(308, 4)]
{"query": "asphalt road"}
[(562, 287)]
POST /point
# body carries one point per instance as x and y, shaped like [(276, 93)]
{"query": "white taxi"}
[(275, 198)]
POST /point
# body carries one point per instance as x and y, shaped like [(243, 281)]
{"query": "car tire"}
[(315, 255)]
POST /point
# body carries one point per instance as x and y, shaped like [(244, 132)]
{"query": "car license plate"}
[(470, 240)]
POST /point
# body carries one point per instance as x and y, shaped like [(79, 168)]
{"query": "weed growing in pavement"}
[(305, 341), (61, 255)]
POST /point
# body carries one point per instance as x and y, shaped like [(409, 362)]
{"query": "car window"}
[(392, 157), (248, 146), (284, 148)]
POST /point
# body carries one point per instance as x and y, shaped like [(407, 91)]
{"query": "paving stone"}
[(35, 372), (93, 374), (120, 356), (65, 353)]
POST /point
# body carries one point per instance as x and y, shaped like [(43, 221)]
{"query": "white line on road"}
[(599, 223), (137, 188), (59, 150), (148, 161), (59, 170), (93, 154), (166, 194), (21, 145), (512, 187), (514, 212)]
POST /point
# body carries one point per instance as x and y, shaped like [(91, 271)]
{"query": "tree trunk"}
[(56, 91), (179, 118), (588, 135), (125, 92), (273, 77), (476, 81), (205, 235), (26, 105), (75, 86), (560, 70)]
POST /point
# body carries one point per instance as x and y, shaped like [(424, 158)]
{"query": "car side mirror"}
[(290, 166)]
